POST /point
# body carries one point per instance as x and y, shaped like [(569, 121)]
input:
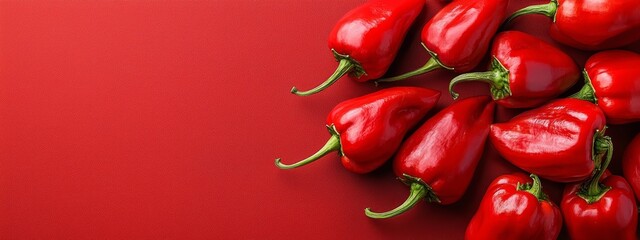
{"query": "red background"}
[(161, 119)]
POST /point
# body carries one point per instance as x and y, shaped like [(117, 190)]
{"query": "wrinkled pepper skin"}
[(515, 207), (612, 82), (613, 216), (590, 24), (526, 71), (458, 36), (366, 39), (631, 165), (367, 130), (439, 159), (555, 141)]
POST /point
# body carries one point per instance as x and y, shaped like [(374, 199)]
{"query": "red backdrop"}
[(161, 119)]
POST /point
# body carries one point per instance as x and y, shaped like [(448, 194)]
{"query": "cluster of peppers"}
[(561, 140)]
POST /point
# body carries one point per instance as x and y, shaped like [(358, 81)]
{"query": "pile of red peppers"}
[(560, 136)]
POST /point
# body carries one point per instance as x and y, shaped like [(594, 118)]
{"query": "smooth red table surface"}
[(162, 119)]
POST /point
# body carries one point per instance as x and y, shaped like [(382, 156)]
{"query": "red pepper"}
[(600, 208), (558, 141), (366, 40), (631, 165), (438, 160), (613, 83), (458, 36), (525, 71), (610, 215), (590, 24), (515, 208), (367, 130)]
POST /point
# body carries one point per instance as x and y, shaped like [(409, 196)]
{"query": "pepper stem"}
[(418, 192), (535, 189), (593, 190), (431, 65), (594, 187), (587, 92), (497, 77), (332, 145), (547, 9), (344, 67)]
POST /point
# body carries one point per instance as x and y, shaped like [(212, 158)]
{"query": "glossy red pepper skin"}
[(438, 160), (631, 165), (366, 39), (367, 130), (612, 82), (613, 216), (555, 141), (591, 24), (373, 33), (458, 36), (515, 207), (526, 71)]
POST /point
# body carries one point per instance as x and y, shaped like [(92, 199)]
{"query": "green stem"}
[(418, 192), (344, 67), (332, 145), (587, 92), (594, 187), (486, 77), (547, 9), (431, 65), (497, 77), (600, 148), (535, 189), (593, 190)]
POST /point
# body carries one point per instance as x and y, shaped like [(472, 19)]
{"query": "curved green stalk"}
[(418, 192), (535, 189), (547, 9), (592, 190), (332, 145), (431, 65), (344, 67), (497, 77), (587, 92)]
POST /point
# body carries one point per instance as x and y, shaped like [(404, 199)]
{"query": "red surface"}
[(161, 119)]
